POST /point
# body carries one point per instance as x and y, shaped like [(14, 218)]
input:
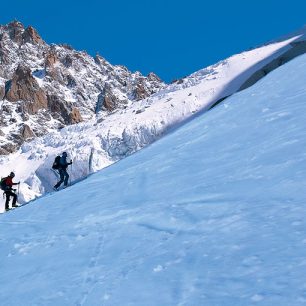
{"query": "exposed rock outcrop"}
[(107, 100), (75, 116), (141, 90), (26, 132), (67, 61), (152, 77), (51, 59), (8, 148), (24, 87), (16, 30), (30, 35), (2, 92), (62, 111)]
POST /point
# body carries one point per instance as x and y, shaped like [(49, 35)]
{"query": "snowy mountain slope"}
[(211, 214), (104, 140)]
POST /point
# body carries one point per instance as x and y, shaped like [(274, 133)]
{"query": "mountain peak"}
[(32, 36), (17, 32), (15, 24)]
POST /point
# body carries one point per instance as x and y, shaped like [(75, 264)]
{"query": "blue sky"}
[(171, 38)]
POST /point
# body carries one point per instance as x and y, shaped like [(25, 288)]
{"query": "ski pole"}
[(18, 188), (70, 173)]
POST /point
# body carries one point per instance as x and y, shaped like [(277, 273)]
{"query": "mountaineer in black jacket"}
[(62, 169)]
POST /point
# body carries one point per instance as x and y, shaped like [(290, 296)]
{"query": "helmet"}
[(64, 153), (12, 174)]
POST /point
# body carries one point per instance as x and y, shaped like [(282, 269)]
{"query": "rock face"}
[(23, 87), (75, 116), (26, 132), (62, 111), (15, 32), (50, 59), (30, 35), (108, 100), (2, 92), (45, 87), (141, 90)]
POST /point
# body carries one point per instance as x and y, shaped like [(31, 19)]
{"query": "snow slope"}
[(102, 141), (211, 214)]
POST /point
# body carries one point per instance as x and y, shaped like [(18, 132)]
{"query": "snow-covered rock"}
[(48, 87)]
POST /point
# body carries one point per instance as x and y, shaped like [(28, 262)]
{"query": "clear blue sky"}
[(171, 38)]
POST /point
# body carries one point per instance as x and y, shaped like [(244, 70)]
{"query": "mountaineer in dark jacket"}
[(62, 169)]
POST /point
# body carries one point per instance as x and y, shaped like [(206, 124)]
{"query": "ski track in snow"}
[(90, 281)]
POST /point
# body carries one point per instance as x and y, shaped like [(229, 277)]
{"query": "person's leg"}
[(7, 200), (61, 173), (66, 178), (14, 195)]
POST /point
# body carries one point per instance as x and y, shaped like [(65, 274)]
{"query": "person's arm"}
[(16, 183), (66, 163)]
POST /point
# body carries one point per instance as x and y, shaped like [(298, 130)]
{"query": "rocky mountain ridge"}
[(46, 87)]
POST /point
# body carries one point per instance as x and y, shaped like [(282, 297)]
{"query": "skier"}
[(6, 185), (62, 169)]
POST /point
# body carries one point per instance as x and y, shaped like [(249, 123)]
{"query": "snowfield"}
[(106, 139), (211, 214)]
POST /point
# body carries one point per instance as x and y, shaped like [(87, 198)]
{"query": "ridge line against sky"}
[(171, 38)]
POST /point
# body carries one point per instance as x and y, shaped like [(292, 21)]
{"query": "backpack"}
[(3, 183), (56, 164)]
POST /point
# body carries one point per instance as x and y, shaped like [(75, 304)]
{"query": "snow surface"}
[(102, 141), (211, 214)]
